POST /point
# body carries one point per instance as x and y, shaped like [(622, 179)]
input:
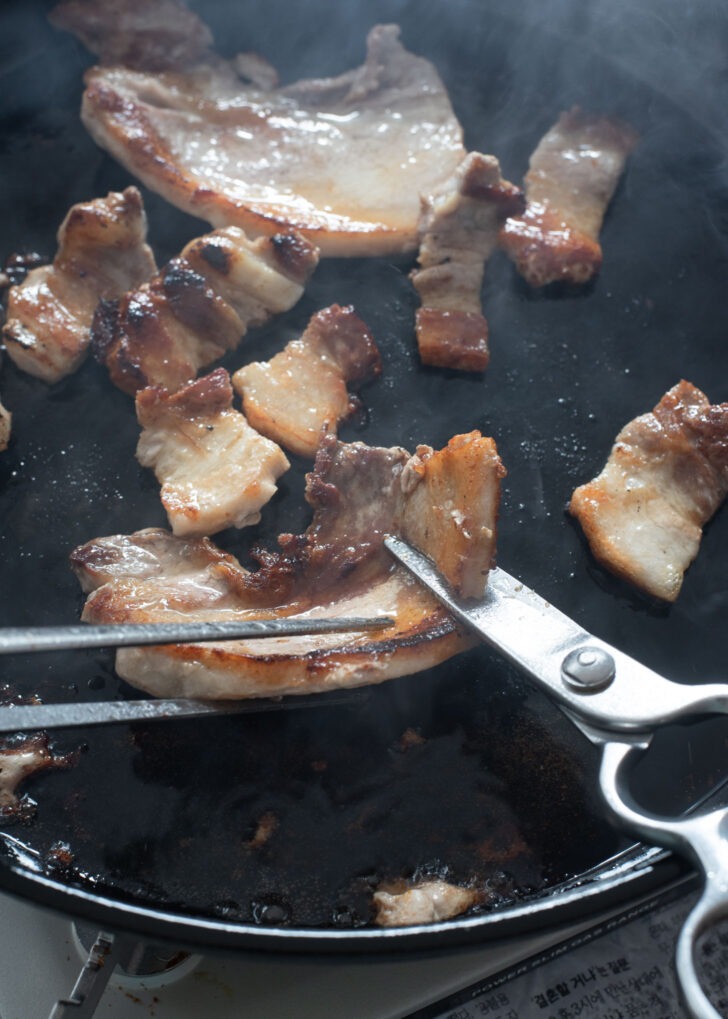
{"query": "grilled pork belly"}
[(339, 566), (343, 160), (215, 470), (292, 397), (21, 761), (150, 36), (451, 509), (459, 226), (666, 476), (426, 902), (199, 306), (572, 176), (102, 252)]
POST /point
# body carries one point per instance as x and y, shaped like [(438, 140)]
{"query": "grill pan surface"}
[(159, 819)]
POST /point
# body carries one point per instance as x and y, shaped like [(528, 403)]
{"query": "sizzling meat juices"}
[(337, 567), (343, 160), (666, 476)]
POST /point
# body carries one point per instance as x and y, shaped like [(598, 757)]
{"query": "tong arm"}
[(596, 682)]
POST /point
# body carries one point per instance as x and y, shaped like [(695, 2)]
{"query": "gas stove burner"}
[(132, 962), (164, 963)]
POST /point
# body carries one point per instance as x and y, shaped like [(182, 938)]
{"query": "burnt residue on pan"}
[(291, 820), (297, 818)]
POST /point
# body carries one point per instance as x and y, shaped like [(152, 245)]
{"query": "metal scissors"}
[(618, 704)]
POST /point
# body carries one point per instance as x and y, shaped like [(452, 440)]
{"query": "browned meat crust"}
[(452, 508), (341, 160), (339, 566), (150, 36), (199, 306), (216, 471), (302, 390), (102, 252), (573, 174), (459, 226), (666, 476)]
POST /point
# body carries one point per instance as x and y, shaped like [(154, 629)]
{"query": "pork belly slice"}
[(459, 226), (20, 761), (572, 176), (343, 160), (215, 470), (102, 252), (339, 566), (666, 476), (292, 397), (451, 509), (199, 306), (425, 902), (152, 36)]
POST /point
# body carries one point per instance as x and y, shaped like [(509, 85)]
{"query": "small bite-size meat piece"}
[(571, 179), (338, 567), (22, 760), (426, 902), (342, 160), (215, 470), (452, 508), (102, 252), (199, 306), (459, 226), (666, 476), (304, 388)]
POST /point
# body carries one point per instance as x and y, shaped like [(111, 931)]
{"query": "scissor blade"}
[(539, 639)]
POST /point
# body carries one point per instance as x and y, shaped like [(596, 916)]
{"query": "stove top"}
[(40, 960)]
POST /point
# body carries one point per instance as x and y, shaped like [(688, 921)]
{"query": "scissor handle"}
[(701, 837)]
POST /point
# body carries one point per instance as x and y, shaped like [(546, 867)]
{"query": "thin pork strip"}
[(292, 397), (459, 225), (216, 471), (342, 160), (338, 567), (199, 307), (102, 253), (666, 476), (572, 176)]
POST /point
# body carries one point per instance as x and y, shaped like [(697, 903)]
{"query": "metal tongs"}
[(22, 640), (618, 704)]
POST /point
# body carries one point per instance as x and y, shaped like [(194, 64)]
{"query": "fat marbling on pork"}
[(339, 566), (303, 389), (343, 160), (666, 476), (216, 471), (102, 252)]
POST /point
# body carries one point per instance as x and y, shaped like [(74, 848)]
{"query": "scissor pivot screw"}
[(588, 668)]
